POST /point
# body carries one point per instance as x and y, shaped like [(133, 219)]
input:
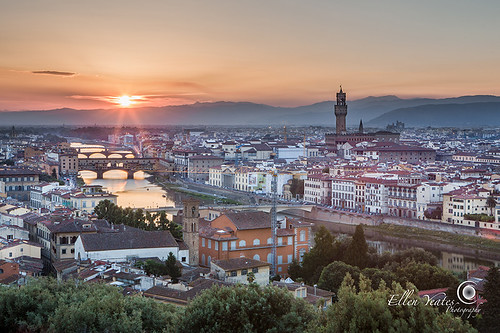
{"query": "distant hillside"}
[(444, 115), (380, 110)]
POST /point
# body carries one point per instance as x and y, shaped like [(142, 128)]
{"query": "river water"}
[(135, 193), (451, 257)]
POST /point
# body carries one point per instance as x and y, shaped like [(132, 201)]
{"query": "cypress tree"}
[(357, 251)]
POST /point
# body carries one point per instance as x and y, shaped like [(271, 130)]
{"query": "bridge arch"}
[(96, 155)]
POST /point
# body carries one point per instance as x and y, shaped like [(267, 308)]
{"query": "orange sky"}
[(82, 54)]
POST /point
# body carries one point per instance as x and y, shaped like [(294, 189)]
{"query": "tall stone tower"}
[(341, 112), (190, 222)]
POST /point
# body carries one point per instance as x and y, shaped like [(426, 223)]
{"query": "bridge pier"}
[(100, 174), (130, 174)]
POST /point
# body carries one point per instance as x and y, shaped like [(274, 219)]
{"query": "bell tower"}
[(190, 232), (340, 112)]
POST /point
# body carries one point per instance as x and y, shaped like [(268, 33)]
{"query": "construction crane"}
[(274, 221)]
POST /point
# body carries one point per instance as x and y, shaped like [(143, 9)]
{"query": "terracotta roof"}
[(249, 220)]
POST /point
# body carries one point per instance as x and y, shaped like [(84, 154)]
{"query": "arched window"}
[(243, 243), (302, 235), (270, 258), (256, 241), (301, 254), (209, 261), (256, 257), (203, 259)]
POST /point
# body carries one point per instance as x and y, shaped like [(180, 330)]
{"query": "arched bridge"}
[(130, 165), (115, 153), (263, 208)]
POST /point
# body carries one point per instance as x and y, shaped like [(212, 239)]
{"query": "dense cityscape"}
[(261, 206)]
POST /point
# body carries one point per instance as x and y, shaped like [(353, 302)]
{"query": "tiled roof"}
[(239, 263), (249, 220), (128, 240)]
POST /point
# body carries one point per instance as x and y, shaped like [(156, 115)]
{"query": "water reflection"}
[(135, 193)]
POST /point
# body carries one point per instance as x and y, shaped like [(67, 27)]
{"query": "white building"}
[(343, 192), (236, 270), (123, 246)]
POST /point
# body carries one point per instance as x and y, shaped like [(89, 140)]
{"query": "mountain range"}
[(464, 111)]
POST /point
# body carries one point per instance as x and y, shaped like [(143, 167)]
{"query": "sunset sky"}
[(86, 54)]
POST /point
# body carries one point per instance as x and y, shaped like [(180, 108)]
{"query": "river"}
[(135, 193), (451, 257)]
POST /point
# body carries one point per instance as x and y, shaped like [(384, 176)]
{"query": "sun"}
[(124, 100)]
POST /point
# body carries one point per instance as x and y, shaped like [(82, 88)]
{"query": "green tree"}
[(332, 275), (491, 203), (411, 254), (425, 276), (488, 322), (368, 310), (321, 254), (378, 275), (357, 252), (171, 268), (45, 305), (152, 267), (247, 309), (295, 270)]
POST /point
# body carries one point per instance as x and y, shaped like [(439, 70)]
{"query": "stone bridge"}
[(107, 152), (130, 165), (263, 208)]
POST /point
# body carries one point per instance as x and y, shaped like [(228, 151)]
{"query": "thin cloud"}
[(59, 73)]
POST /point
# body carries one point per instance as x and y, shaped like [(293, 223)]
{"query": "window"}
[(280, 240), (269, 240), (216, 245), (255, 270), (290, 258), (209, 243), (233, 245), (256, 242), (10, 254), (203, 242), (244, 271), (242, 243), (203, 259), (234, 273), (224, 246), (256, 257), (183, 259), (280, 260), (72, 250), (302, 236), (10, 237), (290, 240), (270, 258)]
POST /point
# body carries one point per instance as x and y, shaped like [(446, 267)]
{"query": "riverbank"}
[(443, 237), (202, 196), (436, 240)]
